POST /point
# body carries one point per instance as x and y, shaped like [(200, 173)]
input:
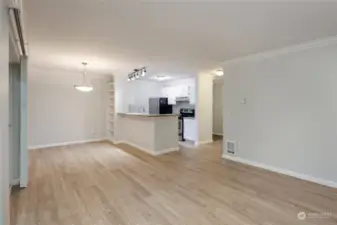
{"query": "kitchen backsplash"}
[(133, 108), (179, 105), (138, 108)]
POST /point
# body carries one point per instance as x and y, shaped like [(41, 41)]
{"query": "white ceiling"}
[(168, 36)]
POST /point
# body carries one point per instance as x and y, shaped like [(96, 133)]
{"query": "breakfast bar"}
[(152, 133)]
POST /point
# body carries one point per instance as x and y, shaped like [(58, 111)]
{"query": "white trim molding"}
[(118, 142), (65, 143), (283, 51), (282, 171), (15, 182), (203, 142), (164, 151), (154, 153)]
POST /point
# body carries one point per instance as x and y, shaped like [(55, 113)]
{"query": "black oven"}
[(187, 112)]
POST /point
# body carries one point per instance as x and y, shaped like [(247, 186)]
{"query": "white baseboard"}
[(203, 142), (110, 140), (219, 134), (164, 151), (156, 153), (282, 171), (65, 143), (118, 142), (15, 182), (139, 147)]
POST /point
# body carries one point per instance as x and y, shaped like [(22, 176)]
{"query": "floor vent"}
[(230, 147)]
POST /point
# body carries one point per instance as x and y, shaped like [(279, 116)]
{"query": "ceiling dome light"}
[(162, 78), (143, 72), (85, 85), (83, 88), (219, 72)]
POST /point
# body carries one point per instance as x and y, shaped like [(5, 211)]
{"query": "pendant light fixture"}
[(85, 85), (219, 72)]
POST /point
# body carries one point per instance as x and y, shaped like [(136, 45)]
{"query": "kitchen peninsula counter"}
[(152, 133), (147, 115)]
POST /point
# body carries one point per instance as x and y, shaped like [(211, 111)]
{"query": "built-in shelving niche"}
[(111, 109)]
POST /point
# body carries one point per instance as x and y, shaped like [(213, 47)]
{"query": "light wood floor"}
[(99, 184)]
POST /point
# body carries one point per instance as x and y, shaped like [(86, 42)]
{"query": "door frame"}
[(23, 123)]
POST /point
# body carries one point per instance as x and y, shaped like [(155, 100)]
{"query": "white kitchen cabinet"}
[(165, 92), (184, 91), (172, 100), (191, 94), (190, 128), (169, 92), (176, 90), (172, 92)]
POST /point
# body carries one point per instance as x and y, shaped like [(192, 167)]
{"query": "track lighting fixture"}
[(137, 73), (144, 72)]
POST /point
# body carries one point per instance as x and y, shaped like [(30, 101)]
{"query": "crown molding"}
[(58, 71), (284, 51)]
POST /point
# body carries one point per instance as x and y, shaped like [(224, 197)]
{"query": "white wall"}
[(4, 108), (217, 107), (204, 108), (135, 93), (58, 113), (182, 81), (290, 118)]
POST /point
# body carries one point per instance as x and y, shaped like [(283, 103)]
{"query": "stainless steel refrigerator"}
[(159, 106)]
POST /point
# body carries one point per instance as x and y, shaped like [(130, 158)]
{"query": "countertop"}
[(147, 115)]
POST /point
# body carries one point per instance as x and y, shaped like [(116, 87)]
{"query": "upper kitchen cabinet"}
[(165, 92), (170, 93), (174, 92), (192, 94), (180, 90), (183, 91)]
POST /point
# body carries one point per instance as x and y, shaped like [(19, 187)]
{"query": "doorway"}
[(218, 99)]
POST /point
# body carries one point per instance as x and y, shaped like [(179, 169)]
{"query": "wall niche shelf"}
[(110, 126)]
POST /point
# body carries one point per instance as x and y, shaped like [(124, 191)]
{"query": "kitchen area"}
[(181, 95), (157, 116)]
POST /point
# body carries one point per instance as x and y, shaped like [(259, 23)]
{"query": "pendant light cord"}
[(85, 81)]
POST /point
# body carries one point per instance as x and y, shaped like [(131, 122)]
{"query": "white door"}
[(171, 95), (190, 127), (191, 93), (23, 123), (10, 127)]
